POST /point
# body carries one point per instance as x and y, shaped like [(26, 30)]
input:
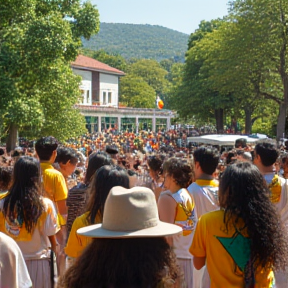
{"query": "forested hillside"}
[(139, 41)]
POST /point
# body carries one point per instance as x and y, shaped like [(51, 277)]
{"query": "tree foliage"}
[(135, 92), (139, 41), (38, 41)]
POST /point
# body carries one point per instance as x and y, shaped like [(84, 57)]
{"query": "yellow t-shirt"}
[(53, 183), (222, 268), (77, 243)]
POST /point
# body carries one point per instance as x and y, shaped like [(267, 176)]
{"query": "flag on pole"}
[(159, 103)]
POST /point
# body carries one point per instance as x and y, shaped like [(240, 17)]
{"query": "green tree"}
[(135, 92), (151, 72), (115, 61), (265, 36), (38, 41), (194, 95)]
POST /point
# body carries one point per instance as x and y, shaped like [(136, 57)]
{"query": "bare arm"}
[(167, 211), (53, 242), (62, 208), (199, 262)]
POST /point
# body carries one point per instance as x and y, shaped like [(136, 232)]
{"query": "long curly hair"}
[(122, 263), (243, 194), (23, 201)]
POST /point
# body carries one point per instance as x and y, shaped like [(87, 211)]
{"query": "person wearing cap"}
[(129, 249)]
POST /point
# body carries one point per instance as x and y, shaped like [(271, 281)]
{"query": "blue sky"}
[(180, 15)]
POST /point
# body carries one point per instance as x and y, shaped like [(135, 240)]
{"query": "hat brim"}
[(162, 229)]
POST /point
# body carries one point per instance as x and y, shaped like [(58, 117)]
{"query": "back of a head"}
[(208, 158), (65, 154), (106, 178), (241, 143), (96, 161), (5, 177), (240, 180), (180, 169), (45, 147), (26, 172), (155, 162), (267, 152)]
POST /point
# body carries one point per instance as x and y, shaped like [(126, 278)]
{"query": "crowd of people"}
[(143, 210)]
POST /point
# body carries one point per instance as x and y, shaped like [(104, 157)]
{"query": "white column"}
[(154, 123), (168, 123), (119, 123), (137, 124), (99, 123)]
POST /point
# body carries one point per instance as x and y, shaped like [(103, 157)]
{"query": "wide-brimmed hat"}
[(130, 213)]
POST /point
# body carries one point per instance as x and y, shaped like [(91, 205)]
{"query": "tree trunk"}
[(219, 117), (11, 138), (281, 121), (248, 120)]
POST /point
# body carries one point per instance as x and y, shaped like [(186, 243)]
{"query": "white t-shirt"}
[(34, 245), (282, 205), (204, 194)]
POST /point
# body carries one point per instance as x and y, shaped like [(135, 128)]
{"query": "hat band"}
[(122, 226)]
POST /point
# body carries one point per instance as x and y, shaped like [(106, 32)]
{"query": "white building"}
[(100, 102)]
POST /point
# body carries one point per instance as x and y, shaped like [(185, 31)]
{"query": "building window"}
[(104, 98), (109, 97)]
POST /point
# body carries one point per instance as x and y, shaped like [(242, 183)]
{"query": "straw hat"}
[(130, 213)]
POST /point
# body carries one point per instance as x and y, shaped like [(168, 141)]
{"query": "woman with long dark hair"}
[(106, 177), (78, 196), (30, 219), (130, 250), (244, 241)]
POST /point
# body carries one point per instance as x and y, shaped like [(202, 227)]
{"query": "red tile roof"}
[(91, 64)]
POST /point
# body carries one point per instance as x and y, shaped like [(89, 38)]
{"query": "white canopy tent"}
[(221, 140)]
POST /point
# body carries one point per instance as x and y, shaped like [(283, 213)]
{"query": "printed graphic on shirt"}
[(238, 247), (275, 188), (13, 227), (185, 216)]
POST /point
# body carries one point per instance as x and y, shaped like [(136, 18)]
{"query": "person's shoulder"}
[(48, 204), (213, 215), (81, 220)]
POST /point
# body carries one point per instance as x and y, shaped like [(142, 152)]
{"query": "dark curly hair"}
[(23, 201), (181, 170), (243, 194), (122, 263)]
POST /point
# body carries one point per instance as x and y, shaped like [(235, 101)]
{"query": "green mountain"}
[(139, 41)]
